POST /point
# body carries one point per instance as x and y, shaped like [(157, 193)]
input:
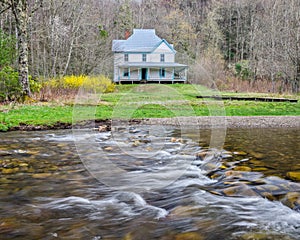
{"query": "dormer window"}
[(126, 57), (162, 57), (144, 57)]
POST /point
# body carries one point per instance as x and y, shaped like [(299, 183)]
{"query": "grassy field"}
[(142, 101)]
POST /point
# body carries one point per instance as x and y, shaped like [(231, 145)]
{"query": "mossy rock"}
[(257, 155), (257, 163), (292, 200), (41, 175), (189, 236), (183, 211), (294, 176), (240, 153), (271, 191), (263, 236), (242, 169), (239, 191), (260, 169), (128, 236), (10, 170)]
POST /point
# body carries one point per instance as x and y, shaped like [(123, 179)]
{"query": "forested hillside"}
[(232, 42)]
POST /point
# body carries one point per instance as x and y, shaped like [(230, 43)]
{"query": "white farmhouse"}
[(144, 57)]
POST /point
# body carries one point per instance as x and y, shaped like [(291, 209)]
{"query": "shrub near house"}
[(97, 84)]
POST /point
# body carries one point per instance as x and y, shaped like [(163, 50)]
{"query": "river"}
[(144, 182)]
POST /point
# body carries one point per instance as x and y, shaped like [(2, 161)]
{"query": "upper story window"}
[(126, 57), (144, 57), (162, 57)]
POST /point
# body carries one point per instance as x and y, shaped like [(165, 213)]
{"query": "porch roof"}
[(153, 65)]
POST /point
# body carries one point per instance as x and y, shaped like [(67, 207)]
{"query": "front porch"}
[(172, 73)]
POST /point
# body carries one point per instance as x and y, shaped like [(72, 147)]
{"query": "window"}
[(144, 58), (162, 57), (126, 72), (126, 57), (162, 72)]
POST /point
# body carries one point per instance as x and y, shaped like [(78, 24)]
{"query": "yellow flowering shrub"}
[(74, 81), (98, 84)]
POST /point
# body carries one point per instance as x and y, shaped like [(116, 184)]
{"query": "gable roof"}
[(142, 40)]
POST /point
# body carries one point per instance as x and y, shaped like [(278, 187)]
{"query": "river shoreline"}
[(230, 122), (201, 122)]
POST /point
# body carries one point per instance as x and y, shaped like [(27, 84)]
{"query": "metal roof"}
[(142, 40)]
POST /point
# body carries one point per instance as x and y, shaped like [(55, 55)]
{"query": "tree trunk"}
[(296, 84), (23, 51), (22, 15)]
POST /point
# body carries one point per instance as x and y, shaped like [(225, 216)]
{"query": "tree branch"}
[(6, 5), (37, 4)]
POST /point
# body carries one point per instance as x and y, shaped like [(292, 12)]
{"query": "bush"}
[(97, 84), (10, 88), (7, 49), (35, 86), (242, 69)]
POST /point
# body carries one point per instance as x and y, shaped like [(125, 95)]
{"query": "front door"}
[(144, 73)]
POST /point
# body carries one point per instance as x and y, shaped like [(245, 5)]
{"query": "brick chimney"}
[(127, 34)]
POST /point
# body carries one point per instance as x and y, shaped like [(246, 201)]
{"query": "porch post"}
[(173, 74)]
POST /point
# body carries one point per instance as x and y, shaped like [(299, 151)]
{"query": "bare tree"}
[(22, 11)]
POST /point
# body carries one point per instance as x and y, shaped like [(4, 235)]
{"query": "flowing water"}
[(148, 183)]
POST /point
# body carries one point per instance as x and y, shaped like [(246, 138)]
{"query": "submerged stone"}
[(10, 170), (257, 155), (108, 149), (201, 155), (189, 236), (260, 169), (294, 176), (257, 163), (239, 191), (263, 236), (23, 165), (240, 153), (128, 237), (41, 175), (292, 200), (183, 211), (243, 169)]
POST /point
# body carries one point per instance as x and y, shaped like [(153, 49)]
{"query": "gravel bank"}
[(229, 122), (202, 122)]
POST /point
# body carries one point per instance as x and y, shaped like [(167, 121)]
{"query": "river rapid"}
[(149, 182)]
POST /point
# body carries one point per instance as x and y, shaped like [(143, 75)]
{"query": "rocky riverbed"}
[(201, 122), (246, 189), (230, 122)]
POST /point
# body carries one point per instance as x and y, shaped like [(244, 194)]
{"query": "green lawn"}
[(144, 101)]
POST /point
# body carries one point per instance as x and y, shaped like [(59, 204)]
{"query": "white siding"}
[(134, 75), (153, 57), (118, 59), (163, 48), (135, 57)]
